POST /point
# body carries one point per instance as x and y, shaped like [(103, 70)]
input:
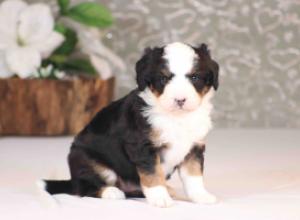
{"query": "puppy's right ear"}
[(142, 69)]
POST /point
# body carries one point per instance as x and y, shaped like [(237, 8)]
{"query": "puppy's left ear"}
[(215, 72), (141, 68), (204, 54)]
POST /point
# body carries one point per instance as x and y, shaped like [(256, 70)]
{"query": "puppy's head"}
[(177, 75)]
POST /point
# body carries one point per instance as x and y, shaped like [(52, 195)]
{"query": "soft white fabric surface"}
[(255, 173)]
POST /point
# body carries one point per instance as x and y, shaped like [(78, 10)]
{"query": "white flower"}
[(47, 72), (26, 37), (60, 74)]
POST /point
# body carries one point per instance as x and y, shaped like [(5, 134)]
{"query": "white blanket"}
[(255, 174)]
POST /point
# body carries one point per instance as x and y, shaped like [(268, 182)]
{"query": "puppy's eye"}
[(195, 78), (164, 79)]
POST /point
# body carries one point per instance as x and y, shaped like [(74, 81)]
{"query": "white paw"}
[(111, 192), (204, 197), (195, 190), (158, 196)]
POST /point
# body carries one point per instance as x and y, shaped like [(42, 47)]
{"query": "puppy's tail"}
[(45, 189), (58, 186)]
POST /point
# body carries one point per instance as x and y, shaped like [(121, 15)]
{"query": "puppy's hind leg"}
[(109, 190), (94, 186), (91, 178)]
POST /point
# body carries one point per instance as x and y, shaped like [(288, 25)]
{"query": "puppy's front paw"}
[(158, 196), (204, 197), (195, 190)]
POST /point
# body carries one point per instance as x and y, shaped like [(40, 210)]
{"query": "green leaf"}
[(91, 14), (79, 66), (56, 59), (60, 28), (70, 42), (63, 6)]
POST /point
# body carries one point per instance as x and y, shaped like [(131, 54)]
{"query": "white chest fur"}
[(179, 133)]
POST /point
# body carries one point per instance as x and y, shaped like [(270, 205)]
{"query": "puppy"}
[(131, 147)]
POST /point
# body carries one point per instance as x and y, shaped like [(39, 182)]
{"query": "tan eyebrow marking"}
[(166, 72)]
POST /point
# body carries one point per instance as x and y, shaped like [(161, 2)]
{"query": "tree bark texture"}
[(50, 107)]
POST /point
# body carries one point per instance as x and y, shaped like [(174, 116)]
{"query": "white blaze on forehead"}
[(180, 58)]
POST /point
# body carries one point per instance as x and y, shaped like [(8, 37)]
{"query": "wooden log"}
[(50, 107)]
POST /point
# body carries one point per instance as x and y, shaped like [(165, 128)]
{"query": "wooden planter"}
[(50, 107)]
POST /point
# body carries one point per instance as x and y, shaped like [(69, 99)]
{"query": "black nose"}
[(180, 102)]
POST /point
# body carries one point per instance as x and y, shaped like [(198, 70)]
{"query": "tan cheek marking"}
[(153, 179), (204, 91), (156, 93)]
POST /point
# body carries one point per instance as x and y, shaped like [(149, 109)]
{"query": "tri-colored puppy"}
[(132, 146)]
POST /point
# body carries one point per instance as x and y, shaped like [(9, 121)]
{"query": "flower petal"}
[(36, 23), (48, 45), (6, 42), (102, 67), (23, 61), (4, 71), (91, 44), (9, 16)]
